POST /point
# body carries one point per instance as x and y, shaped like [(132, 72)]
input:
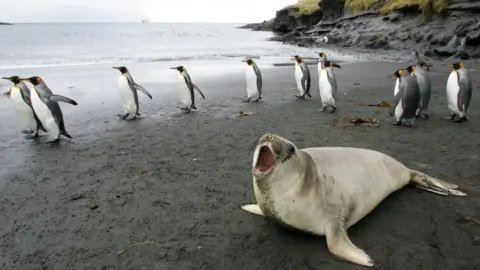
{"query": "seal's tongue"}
[(265, 159)]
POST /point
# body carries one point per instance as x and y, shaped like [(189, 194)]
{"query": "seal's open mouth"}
[(265, 160)]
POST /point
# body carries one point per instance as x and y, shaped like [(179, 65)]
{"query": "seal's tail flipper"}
[(426, 182)]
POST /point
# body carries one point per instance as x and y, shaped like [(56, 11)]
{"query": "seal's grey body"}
[(325, 190)]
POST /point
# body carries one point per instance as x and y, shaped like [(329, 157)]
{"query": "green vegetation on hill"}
[(428, 7), (307, 7)]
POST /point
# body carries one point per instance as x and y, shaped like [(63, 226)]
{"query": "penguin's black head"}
[(411, 68), (248, 61), (122, 69), (397, 74), (322, 54), (179, 68), (13, 79), (297, 58), (35, 80), (457, 66), (331, 64)]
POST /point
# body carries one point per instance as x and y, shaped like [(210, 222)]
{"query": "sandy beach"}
[(164, 192)]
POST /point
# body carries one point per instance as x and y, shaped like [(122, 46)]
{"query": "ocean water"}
[(44, 45)]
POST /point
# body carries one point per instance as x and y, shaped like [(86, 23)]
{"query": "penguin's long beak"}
[(173, 68), (116, 68), (7, 78), (244, 61), (450, 65), (336, 65)]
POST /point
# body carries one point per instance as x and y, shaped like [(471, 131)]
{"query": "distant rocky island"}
[(438, 28), (4, 23)]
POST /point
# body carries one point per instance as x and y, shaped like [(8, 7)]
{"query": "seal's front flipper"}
[(434, 185), (340, 245), (253, 209)]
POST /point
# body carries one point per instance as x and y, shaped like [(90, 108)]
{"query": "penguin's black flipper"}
[(198, 89), (59, 98), (141, 89)]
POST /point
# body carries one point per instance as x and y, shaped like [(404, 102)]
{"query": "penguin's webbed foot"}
[(450, 118), (32, 136), (246, 100), (397, 123), (300, 97), (123, 116), (56, 140), (425, 115), (323, 109), (460, 120), (26, 131), (334, 108)]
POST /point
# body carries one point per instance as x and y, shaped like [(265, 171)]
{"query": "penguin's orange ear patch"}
[(39, 79)]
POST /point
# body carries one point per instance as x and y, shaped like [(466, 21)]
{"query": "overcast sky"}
[(136, 10)]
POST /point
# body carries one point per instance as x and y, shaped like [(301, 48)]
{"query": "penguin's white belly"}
[(396, 88), (399, 110), (452, 92), (325, 89), (298, 79), (24, 112), (44, 114), (183, 91), (251, 78), (127, 95)]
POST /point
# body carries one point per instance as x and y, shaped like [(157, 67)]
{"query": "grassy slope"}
[(387, 6)]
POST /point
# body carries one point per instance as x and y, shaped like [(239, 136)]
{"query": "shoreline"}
[(165, 191)]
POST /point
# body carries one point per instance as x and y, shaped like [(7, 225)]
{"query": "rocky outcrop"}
[(4, 23), (455, 32)]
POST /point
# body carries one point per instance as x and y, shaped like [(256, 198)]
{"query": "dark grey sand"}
[(164, 192)]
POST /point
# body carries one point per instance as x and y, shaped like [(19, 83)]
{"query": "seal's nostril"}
[(290, 149)]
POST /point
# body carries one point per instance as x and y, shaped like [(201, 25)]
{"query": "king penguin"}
[(45, 104), (302, 77), (185, 88), (406, 97), (22, 104), (425, 85), (128, 90), (459, 92), (321, 61), (327, 86), (253, 78)]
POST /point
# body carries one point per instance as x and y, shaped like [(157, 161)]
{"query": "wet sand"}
[(164, 192)]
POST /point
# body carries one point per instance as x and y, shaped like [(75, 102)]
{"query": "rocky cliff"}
[(454, 31)]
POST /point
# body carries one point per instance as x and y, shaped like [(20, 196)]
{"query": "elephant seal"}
[(325, 190)]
